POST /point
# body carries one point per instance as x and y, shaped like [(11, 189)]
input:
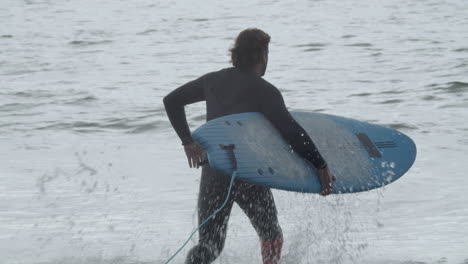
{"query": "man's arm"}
[(174, 103), (275, 110)]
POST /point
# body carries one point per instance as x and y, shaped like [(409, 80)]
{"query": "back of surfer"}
[(230, 91)]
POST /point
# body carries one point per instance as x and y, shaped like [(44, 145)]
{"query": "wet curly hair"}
[(249, 48)]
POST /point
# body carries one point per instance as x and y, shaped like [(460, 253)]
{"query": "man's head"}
[(250, 50)]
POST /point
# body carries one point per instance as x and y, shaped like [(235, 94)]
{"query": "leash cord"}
[(207, 219), (230, 148)]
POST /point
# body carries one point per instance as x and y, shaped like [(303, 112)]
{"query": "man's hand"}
[(326, 179), (195, 154)]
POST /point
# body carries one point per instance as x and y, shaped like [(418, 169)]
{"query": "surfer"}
[(231, 91)]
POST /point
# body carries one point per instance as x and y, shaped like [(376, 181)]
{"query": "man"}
[(230, 91)]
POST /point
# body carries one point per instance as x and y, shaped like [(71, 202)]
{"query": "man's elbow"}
[(167, 101)]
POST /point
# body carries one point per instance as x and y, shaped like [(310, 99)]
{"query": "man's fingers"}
[(328, 187), (195, 161), (189, 161), (326, 191), (196, 157)]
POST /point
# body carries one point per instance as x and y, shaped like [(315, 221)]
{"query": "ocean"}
[(92, 172)]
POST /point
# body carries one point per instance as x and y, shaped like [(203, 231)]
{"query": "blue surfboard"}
[(361, 155)]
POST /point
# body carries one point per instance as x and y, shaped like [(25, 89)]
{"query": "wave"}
[(125, 125), (361, 94), (317, 44), (393, 101), (12, 107), (312, 49), (461, 50), (456, 87), (84, 43), (82, 100), (147, 32), (359, 45), (401, 126)]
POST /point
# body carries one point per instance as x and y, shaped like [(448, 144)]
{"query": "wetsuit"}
[(232, 91)]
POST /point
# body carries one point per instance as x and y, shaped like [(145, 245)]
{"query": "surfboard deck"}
[(361, 155)]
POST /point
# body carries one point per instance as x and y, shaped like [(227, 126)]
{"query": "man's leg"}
[(258, 204), (213, 190)]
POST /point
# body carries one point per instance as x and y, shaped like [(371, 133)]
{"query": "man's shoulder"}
[(216, 74), (249, 79), (267, 87)]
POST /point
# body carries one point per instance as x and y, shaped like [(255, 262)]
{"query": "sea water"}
[(91, 170)]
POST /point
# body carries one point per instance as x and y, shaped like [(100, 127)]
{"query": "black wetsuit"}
[(231, 91)]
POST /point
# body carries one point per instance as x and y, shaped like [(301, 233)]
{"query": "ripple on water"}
[(315, 44), (361, 94), (200, 19), (462, 65), (392, 92), (451, 87), (361, 44), (199, 117), (312, 49), (413, 39), (461, 50), (431, 98), (36, 94), (125, 125), (85, 43), (77, 97), (13, 107), (82, 100), (147, 32), (401, 126), (393, 101), (459, 105), (364, 81), (19, 72)]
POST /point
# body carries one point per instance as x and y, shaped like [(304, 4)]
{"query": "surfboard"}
[(362, 156)]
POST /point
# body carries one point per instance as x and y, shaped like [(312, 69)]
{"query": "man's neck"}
[(257, 69)]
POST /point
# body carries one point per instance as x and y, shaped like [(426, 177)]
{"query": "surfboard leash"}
[(232, 156)]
